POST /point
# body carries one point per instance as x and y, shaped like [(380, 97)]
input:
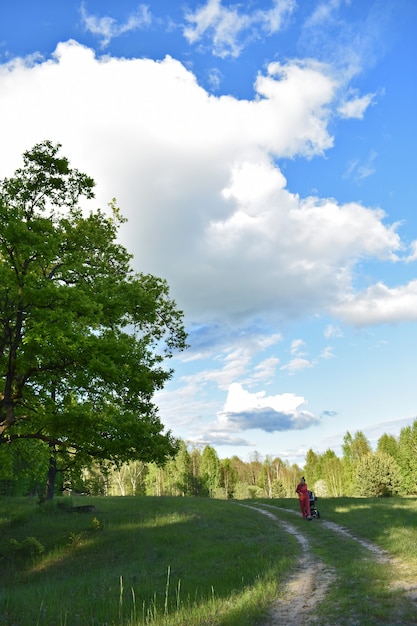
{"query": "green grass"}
[(188, 561), (139, 561)]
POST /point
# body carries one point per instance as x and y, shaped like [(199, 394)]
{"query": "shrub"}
[(377, 474), (27, 548)]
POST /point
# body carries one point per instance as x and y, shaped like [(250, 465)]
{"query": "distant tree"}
[(279, 468), (388, 444), (255, 469), (155, 480), (267, 477), (377, 474), (354, 448), (210, 470), (178, 474), (128, 479), (313, 467), (407, 458), (228, 477), (242, 470), (197, 483), (290, 479), (83, 339), (333, 473)]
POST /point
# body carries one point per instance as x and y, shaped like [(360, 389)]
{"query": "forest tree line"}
[(390, 469)]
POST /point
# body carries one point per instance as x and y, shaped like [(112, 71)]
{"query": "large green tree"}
[(84, 340)]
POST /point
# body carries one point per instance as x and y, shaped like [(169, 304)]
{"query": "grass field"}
[(188, 561)]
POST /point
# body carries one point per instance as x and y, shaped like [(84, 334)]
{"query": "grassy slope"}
[(143, 556), (194, 561)]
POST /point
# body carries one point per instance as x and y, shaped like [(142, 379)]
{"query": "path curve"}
[(303, 591), (299, 598)]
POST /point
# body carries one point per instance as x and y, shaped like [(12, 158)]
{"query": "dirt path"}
[(306, 587), (299, 599)]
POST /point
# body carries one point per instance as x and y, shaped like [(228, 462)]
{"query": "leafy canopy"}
[(83, 339)]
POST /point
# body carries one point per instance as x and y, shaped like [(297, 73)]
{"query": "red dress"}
[(304, 499)]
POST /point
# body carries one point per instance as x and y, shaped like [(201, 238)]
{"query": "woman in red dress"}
[(304, 498)]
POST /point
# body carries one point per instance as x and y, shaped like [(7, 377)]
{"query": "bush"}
[(377, 474), (27, 548)]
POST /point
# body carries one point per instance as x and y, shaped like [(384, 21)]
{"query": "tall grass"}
[(185, 561), (137, 561)]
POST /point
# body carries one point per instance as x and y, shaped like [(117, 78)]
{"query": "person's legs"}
[(307, 505), (302, 507)]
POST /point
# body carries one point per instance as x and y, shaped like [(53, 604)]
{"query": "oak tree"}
[(84, 340)]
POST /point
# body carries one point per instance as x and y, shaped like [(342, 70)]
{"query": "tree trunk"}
[(50, 482)]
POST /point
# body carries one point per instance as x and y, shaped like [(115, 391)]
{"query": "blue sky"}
[(264, 155)]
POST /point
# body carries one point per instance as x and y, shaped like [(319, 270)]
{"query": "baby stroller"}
[(313, 509)]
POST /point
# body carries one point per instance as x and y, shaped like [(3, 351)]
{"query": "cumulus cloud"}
[(196, 175), (246, 411), (379, 304)]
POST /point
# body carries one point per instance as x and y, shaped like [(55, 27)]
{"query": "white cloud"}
[(246, 411), (229, 29), (207, 207), (327, 353), (107, 28), (297, 347), (356, 107), (333, 332), (322, 13), (379, 304), (297, 364), (266, 369), (413, 252)]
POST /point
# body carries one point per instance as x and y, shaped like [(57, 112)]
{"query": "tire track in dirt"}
[(305, 588), (290, 611)]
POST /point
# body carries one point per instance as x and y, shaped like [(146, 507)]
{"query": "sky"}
[(263, 153)]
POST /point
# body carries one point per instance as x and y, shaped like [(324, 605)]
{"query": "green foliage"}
[(228, 477), (96, 524), (407, 458), (388, 444), (27, 548), (377, 474), (83, 339), (210, 470)]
